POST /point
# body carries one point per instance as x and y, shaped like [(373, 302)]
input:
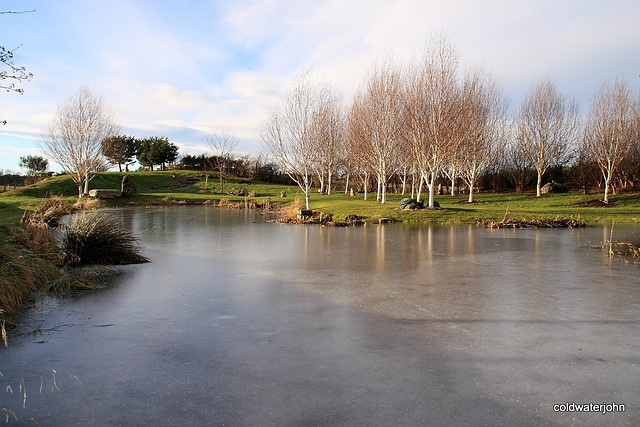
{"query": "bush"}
[(93, 238)]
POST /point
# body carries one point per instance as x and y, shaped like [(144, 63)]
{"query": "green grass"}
[(158, 187), (491, 206)]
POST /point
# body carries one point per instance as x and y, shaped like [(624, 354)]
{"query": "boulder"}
[(305, 213), (127, 187), (553, 187), (411, 204), (102, 193), (353, 219)]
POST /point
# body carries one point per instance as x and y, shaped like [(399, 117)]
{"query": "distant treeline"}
[(244, 167), (11, 180), (578, 176)]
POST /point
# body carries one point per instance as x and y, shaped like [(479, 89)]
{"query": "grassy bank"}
[(32, 260), (167, 187)]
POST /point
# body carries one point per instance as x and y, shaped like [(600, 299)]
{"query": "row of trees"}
[(427, 121)]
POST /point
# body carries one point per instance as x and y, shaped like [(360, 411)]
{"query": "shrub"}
[(94, 238)]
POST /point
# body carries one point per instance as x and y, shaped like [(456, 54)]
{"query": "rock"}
[(101, 193), (127, 187), (305, 213), (238, 192), (353, 219), (411, 204), (553, 187)]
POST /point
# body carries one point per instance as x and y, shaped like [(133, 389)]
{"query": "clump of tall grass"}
[(292, 210), (87, 203), (37, 237), (75, 280), (94, 238), (21, 273), (48, 212)]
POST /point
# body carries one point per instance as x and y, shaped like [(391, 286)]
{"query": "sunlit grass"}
[(171, 187)]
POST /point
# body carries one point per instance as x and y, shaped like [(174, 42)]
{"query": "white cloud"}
[(192, 70)]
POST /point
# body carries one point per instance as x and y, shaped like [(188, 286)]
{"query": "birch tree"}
[(73, 139), (481, 123), (611, 129), (430, 111), (288, 134), (378, 112), (546, 128), (358, 142), (329, 131)]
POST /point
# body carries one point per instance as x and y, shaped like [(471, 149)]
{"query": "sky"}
[(191, 68)]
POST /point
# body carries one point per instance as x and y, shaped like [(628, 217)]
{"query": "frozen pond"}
[(241, 322)]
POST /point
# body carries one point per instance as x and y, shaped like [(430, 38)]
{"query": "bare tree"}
[(546, 128), (482, 122), (73, 138), (223, 147), (329, 129), (611, 129), (288, 134), (514, 162), (358, 141), (430, 106), (10, 71), (14, 73), (453, 166), (378, 108)]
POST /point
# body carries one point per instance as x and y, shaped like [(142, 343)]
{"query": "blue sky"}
[(185, 69)]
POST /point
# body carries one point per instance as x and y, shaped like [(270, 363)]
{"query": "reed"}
[(292, 209)]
